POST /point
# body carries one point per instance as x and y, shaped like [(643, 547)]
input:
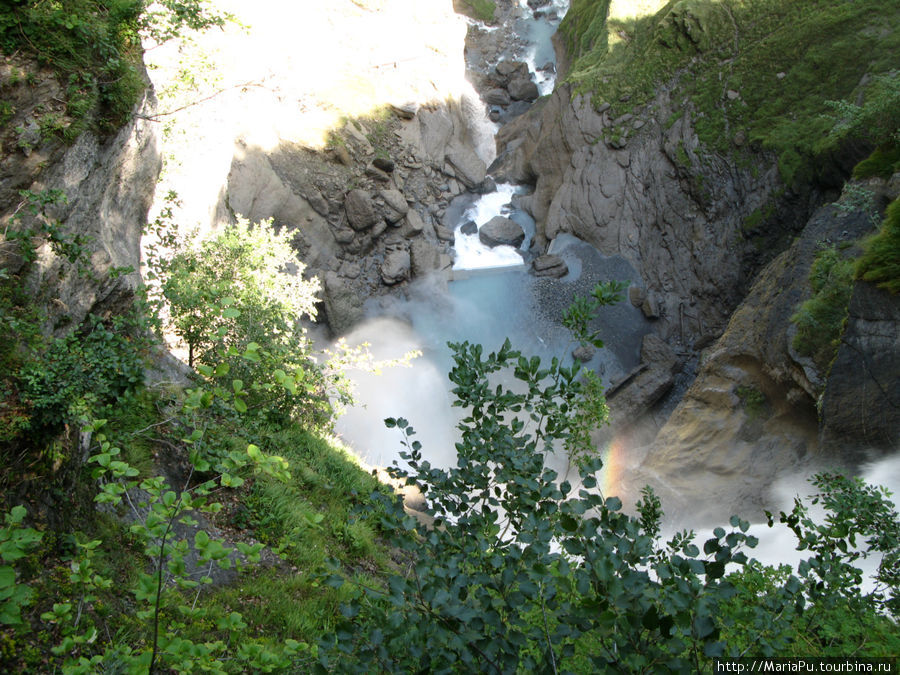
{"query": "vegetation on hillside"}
[(820, 319), (763, 69), (880, 261), (94, 46)]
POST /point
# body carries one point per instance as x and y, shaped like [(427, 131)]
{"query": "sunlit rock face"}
[(350, 123)]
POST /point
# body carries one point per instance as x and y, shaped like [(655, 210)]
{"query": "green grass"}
[(785, 59), (882, 163), (481, 10), (880, 261)]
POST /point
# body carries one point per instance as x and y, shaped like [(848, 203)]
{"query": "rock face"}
[(108, 184), (862, 394), (632, 186), (500, 231), (750, 415)]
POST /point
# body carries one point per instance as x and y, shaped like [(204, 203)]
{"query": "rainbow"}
[(614, 462)]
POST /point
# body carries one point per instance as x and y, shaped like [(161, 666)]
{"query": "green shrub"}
[(884, 162), (237, 300), (820, 319), (880, 261), (81, 372)]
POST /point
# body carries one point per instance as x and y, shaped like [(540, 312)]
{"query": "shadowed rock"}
[(499, 231)]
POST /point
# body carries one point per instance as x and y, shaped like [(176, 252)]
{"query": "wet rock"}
[(510, 70), (469, 227), (396, 267), (343, 306), (360, 210), (550, 266), (424, 257), (523, 89), (497, 97), (500, 231), (444, 233)]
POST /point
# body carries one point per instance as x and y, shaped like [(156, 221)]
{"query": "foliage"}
[(15, 542), (883, 163), (33, 221), (877, 119), (820, 319), (94, 47), (233, 301), (880, 261), (524, 572), (82, 372)]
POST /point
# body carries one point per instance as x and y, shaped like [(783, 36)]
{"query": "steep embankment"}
[(695, 139)]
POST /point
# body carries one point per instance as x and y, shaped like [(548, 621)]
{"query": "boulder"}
[(550, 266), (469, 227), (424, 257), (396, 267), (510, 70), (386, 164), (499, 231), (360, 210), (343, 306), (395, 205), (497, 97), (414, 225), (523, 89), (467, 166)]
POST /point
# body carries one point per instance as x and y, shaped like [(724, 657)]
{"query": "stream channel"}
[(492, 295)]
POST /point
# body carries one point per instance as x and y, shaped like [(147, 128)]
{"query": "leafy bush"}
[(80, 372), (524, 572), (880, 261), (237, 300), (94, 46), (820, 319)]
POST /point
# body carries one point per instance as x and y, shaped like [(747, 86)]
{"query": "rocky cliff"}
[(105, 185)]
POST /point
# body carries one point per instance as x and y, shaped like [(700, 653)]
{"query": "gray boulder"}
[(395, 205), (396, 267), (550, 266), (360, 210), (523, 89), (470, 170), (497, 97), (500, 231)]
